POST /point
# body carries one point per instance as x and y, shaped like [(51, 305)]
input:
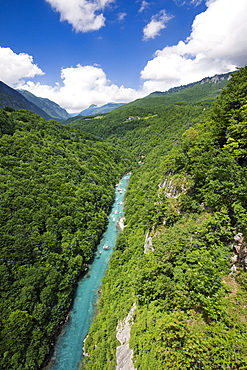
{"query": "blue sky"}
[(82, 52)]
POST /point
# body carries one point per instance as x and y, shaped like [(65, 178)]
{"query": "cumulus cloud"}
[(83, 15), (217, 44), (157, 23), (14, 66), (82, 86)]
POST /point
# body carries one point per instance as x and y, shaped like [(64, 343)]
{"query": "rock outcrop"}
[(148, 245), (239, 259), (121, 223), (124, 353), (174, 186)]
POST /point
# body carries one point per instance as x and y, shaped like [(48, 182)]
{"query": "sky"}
[(82, 52)]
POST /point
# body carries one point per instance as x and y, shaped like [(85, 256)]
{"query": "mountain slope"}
[(48, 106), (146, 123), (181, 259), (202, 92), (12, 98), (217, 79), (94, 109)]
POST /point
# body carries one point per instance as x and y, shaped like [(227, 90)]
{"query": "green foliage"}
[(57, 186), (184, 204), (141, 129), (189, 199)]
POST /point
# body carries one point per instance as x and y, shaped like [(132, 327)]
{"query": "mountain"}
[(177, 275), (94, 109), (12, 98), (146, 123), (201, 92), (216, 79), (50, 107)]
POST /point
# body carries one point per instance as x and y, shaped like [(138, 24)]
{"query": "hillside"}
[(12, 98), (48, 106), (219, 79), (180, 264), (146, 122), (57, 186)]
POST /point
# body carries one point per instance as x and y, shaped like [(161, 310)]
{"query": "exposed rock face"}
[(240, 253), (148, 245), (124, 353), (173, 187), (121, 223)]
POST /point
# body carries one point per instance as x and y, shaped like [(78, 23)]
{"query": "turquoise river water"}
[(68, 349)]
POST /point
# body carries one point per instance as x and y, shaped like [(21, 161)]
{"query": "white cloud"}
[(157, 23), (144, 5), (14, 66), (216, 44), (121, 16), (196, 2), (188, 2), (81, 87), (83, 15)]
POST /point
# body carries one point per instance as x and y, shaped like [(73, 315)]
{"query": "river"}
[(68, 348)]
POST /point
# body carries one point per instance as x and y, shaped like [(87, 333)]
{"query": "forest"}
[(181, 258), (57, 186)]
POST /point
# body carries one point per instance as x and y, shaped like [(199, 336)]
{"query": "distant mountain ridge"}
[(12, 98), (215, 79), (51, 108), (147, 114), (22, 99), (94, 109)]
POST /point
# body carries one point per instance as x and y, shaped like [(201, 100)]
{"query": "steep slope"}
[(57, 186), (181, 258), (48, 106), (12, 98), (203, 92)]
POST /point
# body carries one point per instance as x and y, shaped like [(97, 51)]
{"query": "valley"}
[(181, 257)]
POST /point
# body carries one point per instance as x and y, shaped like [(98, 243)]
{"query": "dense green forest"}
[(57, 186), (182, 256)]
